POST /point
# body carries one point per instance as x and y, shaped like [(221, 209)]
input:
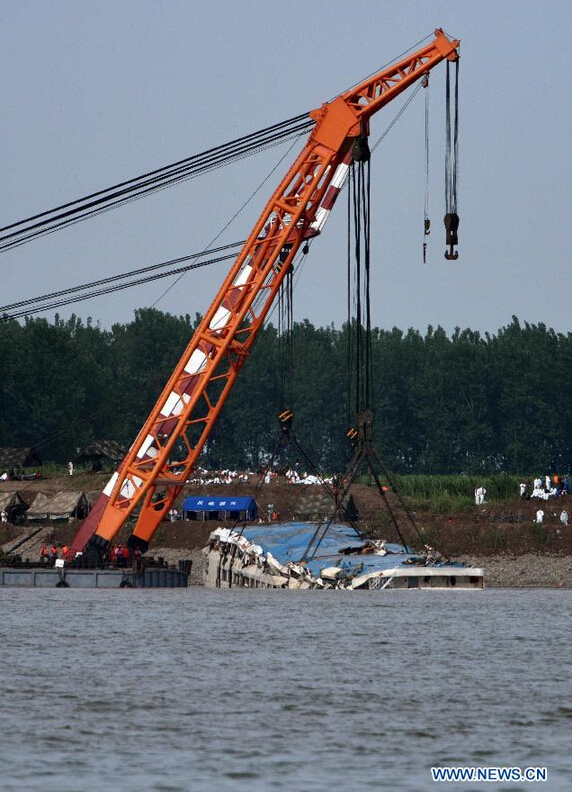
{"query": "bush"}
[(424, 487)]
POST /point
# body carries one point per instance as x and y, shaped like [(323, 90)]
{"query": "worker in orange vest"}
[(53, 552), (65, 549), (44, 553)]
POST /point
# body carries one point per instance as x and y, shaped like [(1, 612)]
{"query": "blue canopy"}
[(229, 503)]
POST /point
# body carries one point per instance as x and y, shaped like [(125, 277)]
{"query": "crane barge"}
[(167, 448)]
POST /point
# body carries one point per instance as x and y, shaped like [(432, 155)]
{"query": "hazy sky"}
[(96, 92)]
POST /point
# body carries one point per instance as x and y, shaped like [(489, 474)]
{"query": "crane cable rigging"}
[(361, 329), (60, 298), (39, 304), (359, 348), (180, 271), (426, 220), (451, 218), (285, 323), (95, 203), (361, 196), (359, 361), (285, 318)]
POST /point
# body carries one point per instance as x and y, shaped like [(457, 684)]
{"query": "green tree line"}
[(463, 403)]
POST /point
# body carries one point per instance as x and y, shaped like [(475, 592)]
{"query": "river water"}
[(191, 689)]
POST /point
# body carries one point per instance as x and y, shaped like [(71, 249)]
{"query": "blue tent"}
[(222, 507)]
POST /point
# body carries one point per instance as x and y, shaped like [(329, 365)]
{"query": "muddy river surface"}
[(211, 691)]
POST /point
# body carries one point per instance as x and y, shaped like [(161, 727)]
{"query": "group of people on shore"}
[(306, 478), (539, 516), (202, 476), (19, 475), (544, 487)]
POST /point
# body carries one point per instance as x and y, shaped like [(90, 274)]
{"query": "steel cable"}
[(117, 287), (115, 278), (124, 192)]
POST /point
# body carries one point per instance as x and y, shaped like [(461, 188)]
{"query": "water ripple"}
[(235, 690)]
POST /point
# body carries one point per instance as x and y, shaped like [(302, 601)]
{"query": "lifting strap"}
[(359, 323), (451, 218), (285, 338), (426, 220)]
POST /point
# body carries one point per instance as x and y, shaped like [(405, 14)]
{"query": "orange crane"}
[(167, 448)]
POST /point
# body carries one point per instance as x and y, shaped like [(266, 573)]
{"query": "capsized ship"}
[(275, 556)]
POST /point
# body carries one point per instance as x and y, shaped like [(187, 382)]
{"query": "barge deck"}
[(52, 577)]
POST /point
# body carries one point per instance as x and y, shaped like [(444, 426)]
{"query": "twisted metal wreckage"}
[(267, 557)]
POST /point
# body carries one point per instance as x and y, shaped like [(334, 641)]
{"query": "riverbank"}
[(525, 571)]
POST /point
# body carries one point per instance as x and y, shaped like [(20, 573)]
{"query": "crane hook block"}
[(360, 149), (451, 221), (286, 417), (284, 253)]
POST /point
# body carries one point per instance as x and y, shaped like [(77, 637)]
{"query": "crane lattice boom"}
[(167, 448)]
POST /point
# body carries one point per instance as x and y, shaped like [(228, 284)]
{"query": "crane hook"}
[(451, 221)]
